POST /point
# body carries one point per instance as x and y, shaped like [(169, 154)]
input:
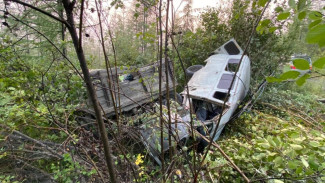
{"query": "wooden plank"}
[(133, 93), (100, 93), (107, 100)]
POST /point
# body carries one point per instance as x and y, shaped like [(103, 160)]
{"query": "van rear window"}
[(231, 48)]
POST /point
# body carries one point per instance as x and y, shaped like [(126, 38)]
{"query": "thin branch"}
[(68, 6), (188, 94), (107, 64), (214, 144), (41, 11), (160, 93), (74, 67), (228, 93), (80, 24), (167, 85), (33, 140)]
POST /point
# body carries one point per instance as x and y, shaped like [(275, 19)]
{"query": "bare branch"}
[(228, 93), (34, 140), (74, 67), (41, 11), (80, 24)]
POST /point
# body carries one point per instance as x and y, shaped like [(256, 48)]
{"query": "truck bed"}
[(144, 88)]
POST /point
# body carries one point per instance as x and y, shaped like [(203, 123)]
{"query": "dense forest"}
[(99, 90)]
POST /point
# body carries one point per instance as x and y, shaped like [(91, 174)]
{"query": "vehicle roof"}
[(213, 77)]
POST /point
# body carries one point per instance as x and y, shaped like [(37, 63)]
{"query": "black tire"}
[(192, 69)]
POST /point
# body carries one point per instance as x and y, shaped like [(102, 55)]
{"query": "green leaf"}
[(292, 4), (315, 15), (136, 15), (301, 4), (304, 162), (296, 147), (290, 75), (320, 63), (314, 23), (314, 143), (302, 15), (278, 161), (283, 16), (302, 79), (258, 28), (272, 79), (316, 35), (301, 64), (272, 29), (313, 164), (264, 145), (270, 140), (262, 2), (265, 22), (293, 164), (278, 9), (299, 170)]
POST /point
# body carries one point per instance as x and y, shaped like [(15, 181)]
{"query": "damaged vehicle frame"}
[(208, 87)]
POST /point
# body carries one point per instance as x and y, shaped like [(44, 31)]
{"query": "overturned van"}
[(207, 97), (208, 89)]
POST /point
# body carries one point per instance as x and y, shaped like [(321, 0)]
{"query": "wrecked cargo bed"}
[(131, 87)]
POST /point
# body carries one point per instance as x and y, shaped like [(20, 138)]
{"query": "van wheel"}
[(192, 69)]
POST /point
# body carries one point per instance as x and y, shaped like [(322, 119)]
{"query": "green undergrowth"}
[(281, 140), (288, 96), (268, 148)]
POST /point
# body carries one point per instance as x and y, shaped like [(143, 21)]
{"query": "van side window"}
[(232, 65), (225, 81)]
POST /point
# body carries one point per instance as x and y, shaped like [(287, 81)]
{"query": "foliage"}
[(29, 91), (70, 171), (40, 91), (303, 98), (7, 179), (314, 35), (265, 146), (266, 50), (39, 94)]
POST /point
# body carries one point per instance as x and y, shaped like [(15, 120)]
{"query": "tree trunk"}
[(68, 6)]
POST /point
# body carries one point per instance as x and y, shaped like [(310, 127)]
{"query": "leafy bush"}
[(266, 147), (291, 96)]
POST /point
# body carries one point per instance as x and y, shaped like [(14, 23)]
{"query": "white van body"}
[(208, 88), (211, 83)]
